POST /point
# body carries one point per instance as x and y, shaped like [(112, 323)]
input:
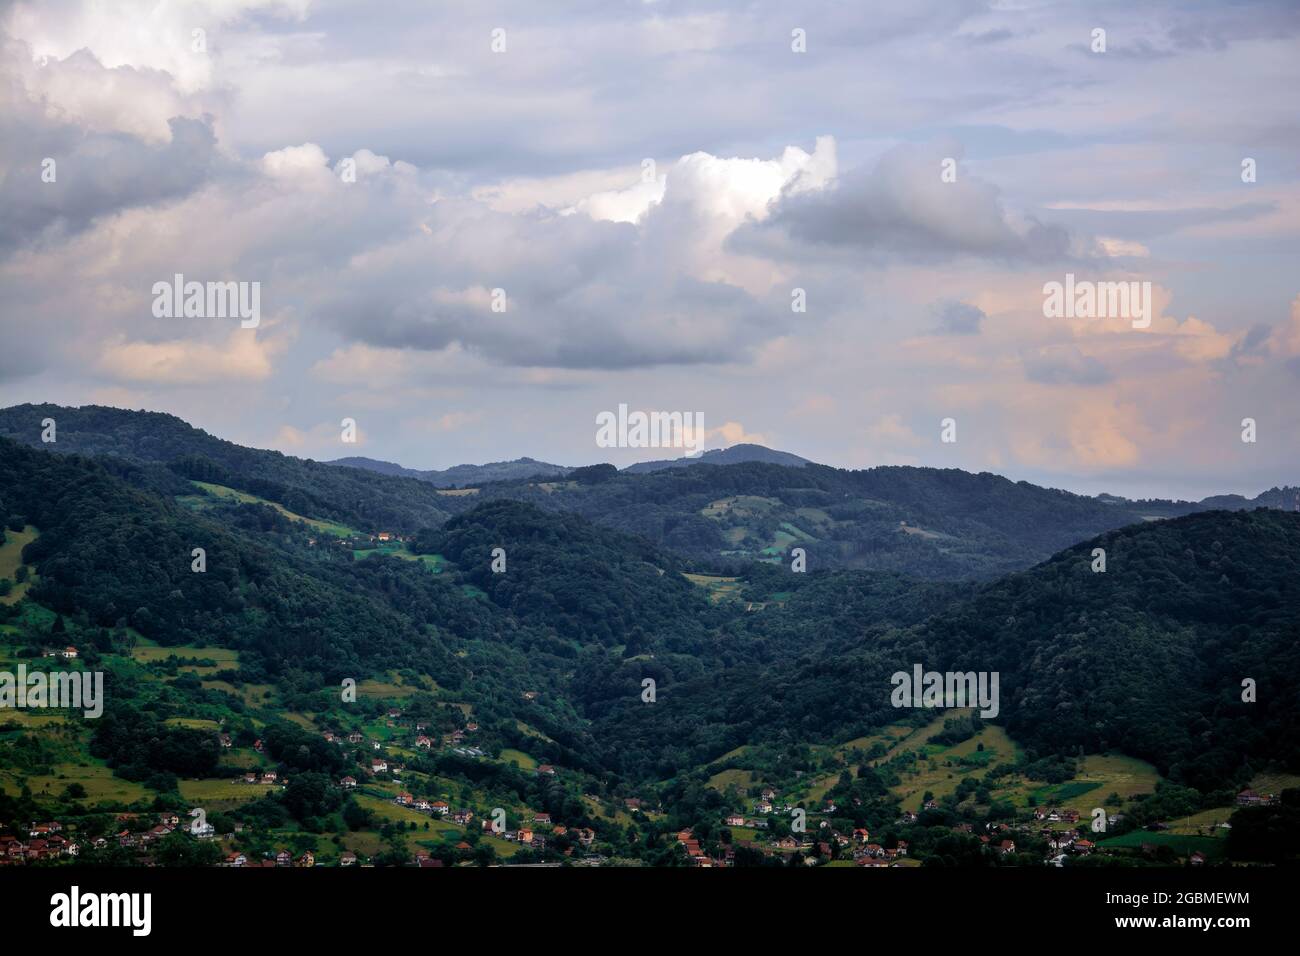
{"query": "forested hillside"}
[(1147, 658), (633, 666), (362, 499), (940, 524)]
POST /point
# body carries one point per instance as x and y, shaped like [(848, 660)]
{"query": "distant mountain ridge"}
[(461, 476), (735, 455), (929, 523)]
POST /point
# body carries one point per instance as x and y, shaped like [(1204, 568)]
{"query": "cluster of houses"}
[(695, 853), (45, 841), (68, 653), (531, 835), (1057, 816), (284, 858)]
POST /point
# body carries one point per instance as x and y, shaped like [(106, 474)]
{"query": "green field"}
[(223, 658), (718, 587), (194, 723), (202, 792), (1212, 847), (326, 527), (434, 562), (11, 559), (98, 780), (742, 780), (519, 759)]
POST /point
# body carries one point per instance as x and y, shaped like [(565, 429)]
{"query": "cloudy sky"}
[(649, 182)]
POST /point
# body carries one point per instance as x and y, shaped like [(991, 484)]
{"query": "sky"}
[(475, 226)]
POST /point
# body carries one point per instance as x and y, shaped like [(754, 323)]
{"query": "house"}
[(403, 799), (307, 859), (422, 804), (763, 807), (423, 741), (632, 803), (394, 712), (1006, 847), (269, 777), (1069, 816), (1197, 859), (236, 859), (586, 836), (284, 858), (257, 745), (788, 843), (439, 806), (541, 818), (226, 742), (379, 765), (471, 727), (530, 695), (902, 848), (525, 835), (547, 770), (861, 835), (250, 777), (348, 783), (462, 817), (69, 653), (385, 536), (931, 805), (735, 820), (1249, 798), (203, 831), (1084, 846), (347, 858), (355, 737)]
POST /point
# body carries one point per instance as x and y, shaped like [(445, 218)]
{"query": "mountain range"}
[(649, 639)]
